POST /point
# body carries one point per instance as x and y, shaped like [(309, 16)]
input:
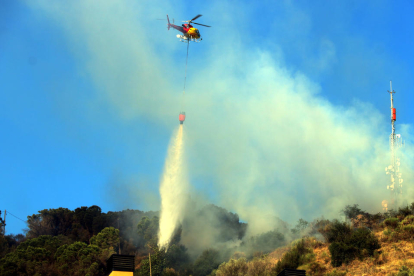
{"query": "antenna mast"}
[(394, 169)]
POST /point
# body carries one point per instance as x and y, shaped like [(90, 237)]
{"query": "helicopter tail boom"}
[(168, 22)]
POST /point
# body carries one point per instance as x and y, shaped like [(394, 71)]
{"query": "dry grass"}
[(387, 261), (276, 255)]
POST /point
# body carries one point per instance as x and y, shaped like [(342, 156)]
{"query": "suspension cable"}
[(185, 77)]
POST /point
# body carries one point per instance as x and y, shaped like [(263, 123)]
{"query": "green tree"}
[(148, 229), (206, 262), (158, 263), (32, 257), (52, 222), (301, 226), (358, 244), (265, 242), (352, 212), (106, 239), (177, 257), (79, 258)]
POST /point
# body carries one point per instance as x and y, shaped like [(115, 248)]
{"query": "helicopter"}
[(189, 32)]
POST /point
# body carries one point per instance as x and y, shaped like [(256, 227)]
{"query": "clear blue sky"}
[(67, 143)]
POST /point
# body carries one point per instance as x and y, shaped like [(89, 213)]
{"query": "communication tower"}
[(394, 169)]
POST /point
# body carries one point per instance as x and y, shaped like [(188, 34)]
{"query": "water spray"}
[(173, 190)]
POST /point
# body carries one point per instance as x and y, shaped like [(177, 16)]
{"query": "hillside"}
[(393, 256), (366, 244), (383, 246)]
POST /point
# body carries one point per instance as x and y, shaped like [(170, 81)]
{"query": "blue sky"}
[(90, 94)]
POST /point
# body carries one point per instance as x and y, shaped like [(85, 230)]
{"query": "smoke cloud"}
[(262, 139)]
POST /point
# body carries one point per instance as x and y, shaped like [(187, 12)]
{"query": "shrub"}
[(408, 231), (206, 262), (313, 242), (342, 253), (363, 239), (295, 257), (266, 242), (319, 226), (336, 273), (408, 220), (300, 227), (380, 258), (309, 257), (170, 272), (387, 232), (392, 222), (261, 267), (338, 231), (316, 269), (404, 211), (233, 267), (405, 271), (325, 257), (360, 244), (352, 211)]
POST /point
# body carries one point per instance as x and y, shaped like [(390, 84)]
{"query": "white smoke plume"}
[(263, 140), (173, 190)]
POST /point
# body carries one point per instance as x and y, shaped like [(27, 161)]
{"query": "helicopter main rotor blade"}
[(200, 24), (195, 17)]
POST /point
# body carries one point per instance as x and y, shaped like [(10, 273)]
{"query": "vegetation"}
[(79, 242), (57, 255), (346, 244), (405, 271)]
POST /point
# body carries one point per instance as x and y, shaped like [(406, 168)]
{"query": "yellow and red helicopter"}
[(189, 32)]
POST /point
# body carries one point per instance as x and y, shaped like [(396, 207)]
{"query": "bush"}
[(387, 232), (338, 231), (300, 227), (392, 222), (405, 271), (316, 269), (352, 212), (360, 244), (380, 258), (266, 242), (336, 273), (319, 226), (408, 230), (404, 230), (233, 267), (363, 239), (206, 262), (170, 272), (408, 220), (342, 253), (262, 267), (404, 211), (295, 257)]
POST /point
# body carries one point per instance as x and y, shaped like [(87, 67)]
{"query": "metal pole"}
[(150, 263), (119, 248)]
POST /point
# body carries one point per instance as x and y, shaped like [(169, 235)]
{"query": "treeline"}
[(65, 242), (78, 242)]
